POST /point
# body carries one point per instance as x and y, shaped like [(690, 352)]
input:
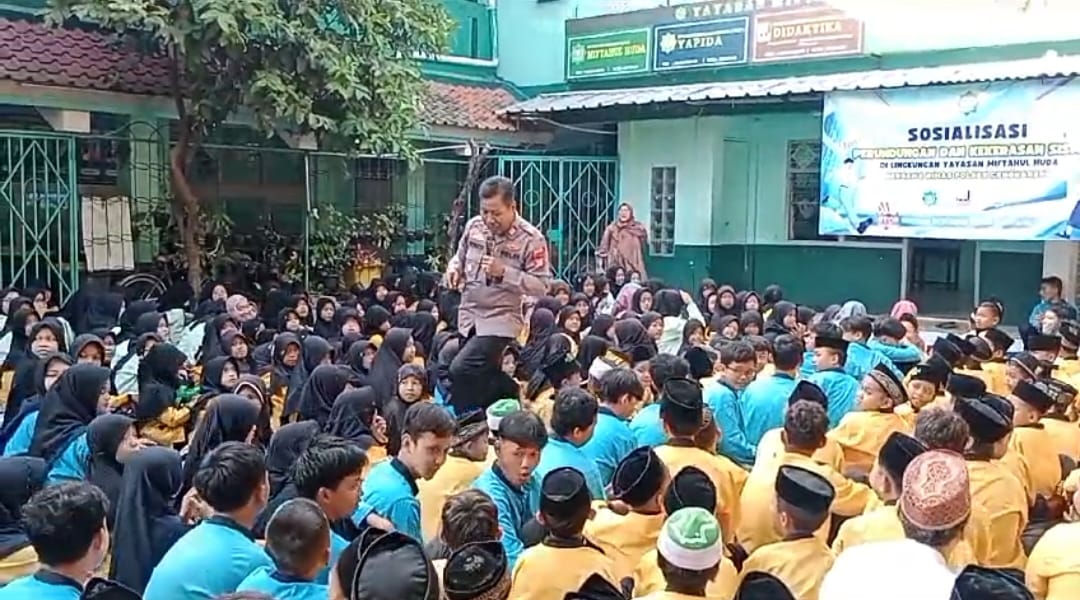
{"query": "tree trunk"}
[(186, 211)]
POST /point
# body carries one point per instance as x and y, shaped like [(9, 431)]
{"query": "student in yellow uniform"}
[(924, 384), (690, 487), (1058, 421), (477, 571), (975, 352), (682, 412), (801, 559), (565, 558), (639, 482), (1000, 342), (690, 550), (771, 447), (862, 433), (1053, 569), (993, 487), (464, 463), (1032, 455), (804, 432), (881, 522)]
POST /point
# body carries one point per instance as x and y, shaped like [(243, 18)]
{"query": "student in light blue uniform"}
[(830, 353), (18, 432), (126, 359), (861, 358), (329, 472), (765, 400), (646, 425), (65, 524), (298, 539), (219, 553), (613, 440), (889, 340), (512, 482), (738, 366), (60, 434), (390, 488), (573, 421)]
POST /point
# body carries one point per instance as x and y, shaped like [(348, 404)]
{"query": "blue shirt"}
[(72, 463), (647, 427), (210, 560), (724, 402), (897, 353), (611, 442), (764, 404), (43, 585), (23, 436), (807, 367), (841, 389), (560, 453), (861, 359), (390, 490), (516, 506), (337, 546), (280, 586)]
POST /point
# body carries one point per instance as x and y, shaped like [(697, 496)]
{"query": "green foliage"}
[(340, 69), (330, 249), (381, 229)]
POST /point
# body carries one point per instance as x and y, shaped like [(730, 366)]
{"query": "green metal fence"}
[(38, 219)]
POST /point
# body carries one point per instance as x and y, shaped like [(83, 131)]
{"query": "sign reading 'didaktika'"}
[(702, 44), (805, 33), (605, 54)]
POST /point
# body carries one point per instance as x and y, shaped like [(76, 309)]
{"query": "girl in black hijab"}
[(726, 302), (109, 437), (782, 320), (228, 418), (18, 431), (584, 306), (348, 322), (150, 525), (325, 327), (772, 296), (219, 376), (286, 446), (411, 388), (396, 350), (632, 341), (20, 478), (156, 414), (314, 351), (751, 323), (212, 346), (601, 326), (240, 348), (320, 391), (422, 326), (654, 325), (302, 305), (591, 348), (541, 327), (253, 388), (570, 323), (693, 334), (46, 337), (376, 322), (748, 300), (354, 417), (643, 301), (725, 327), (68, 410), (359, 358), (89, 348), (19, 327)]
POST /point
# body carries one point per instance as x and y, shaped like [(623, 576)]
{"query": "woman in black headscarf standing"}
[(395, 351), (109, 437), (320, 391), (20, 478), (150, 525), (285, 447), (228, 418)]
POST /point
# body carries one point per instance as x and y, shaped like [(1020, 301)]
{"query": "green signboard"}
[(616, 53)]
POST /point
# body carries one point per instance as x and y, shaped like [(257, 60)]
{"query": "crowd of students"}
[(662, 444)]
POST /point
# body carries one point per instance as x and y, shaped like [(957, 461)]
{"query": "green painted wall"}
[(474, 36)]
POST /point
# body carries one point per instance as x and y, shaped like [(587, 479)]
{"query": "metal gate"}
[(39, 235), (570, 199)]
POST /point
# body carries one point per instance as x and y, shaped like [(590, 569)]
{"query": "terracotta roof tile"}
[(33, 52)]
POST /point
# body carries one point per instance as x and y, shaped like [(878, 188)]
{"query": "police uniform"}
[(490, 311)]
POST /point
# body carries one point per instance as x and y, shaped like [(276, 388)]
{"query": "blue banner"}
[(988, 161), (716, 43)]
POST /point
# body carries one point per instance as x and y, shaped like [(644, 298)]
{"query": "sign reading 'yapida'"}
[(709, 34), (606, 54)]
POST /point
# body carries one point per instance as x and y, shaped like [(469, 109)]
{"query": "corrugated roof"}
[(1062, 66)]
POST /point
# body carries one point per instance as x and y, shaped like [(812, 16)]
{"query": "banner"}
[(705, 44), (811, 32), (606, 54), (988, 161)]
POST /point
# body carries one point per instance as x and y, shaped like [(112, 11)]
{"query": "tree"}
[(342, 70)]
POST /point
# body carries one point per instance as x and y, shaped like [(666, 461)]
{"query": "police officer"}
[(500, 260)]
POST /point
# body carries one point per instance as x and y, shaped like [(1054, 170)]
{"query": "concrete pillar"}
[(1060, 258)]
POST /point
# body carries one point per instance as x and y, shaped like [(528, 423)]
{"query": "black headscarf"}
[(447, 353), (212, 373), (159, 379), (541, 327), (285, 447), (394, 408), (246, 364), (228, 418), (12, 420), (774, 325), (313, 351), (19, 348), (320, 391), (102, 310), (633, 341), (277, 300), (422, 325), (590, 349), (20, 478), (22, 383), (354, 359), (669, 303), (211, 345), (751, 317), (150, 526), (374, 319), (325, 329), (743, 296), (82, 341), (280, 374), (692, 326), (263, 430), (384, 369), (178, 295), (104, 436), (352, 417), (726, 290), (132, 323), (601, 325), (67, 410)]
